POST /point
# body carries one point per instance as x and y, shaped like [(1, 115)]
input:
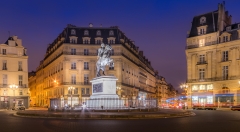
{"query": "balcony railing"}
[(8, 86), (207, 44), (75, 83), (201, 62), (213, 79)]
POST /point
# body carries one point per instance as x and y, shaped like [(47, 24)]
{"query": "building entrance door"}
[(202, 101)]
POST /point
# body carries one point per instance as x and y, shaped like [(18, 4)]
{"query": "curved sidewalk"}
[(161, 113)]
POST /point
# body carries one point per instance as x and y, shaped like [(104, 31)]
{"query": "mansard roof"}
[(10, 38), (211, 22)]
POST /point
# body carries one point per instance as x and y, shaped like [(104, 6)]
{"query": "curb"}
[(106, 117)]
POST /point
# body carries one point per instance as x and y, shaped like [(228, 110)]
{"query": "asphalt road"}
[(204, 121)]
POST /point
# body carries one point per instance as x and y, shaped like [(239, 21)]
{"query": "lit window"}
[(202, 87), (194, 88), (73, 32), (201, 42), (209, 87)]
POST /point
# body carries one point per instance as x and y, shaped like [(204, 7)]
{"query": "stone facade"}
[(213, 55), (14, 74), (71, 61)]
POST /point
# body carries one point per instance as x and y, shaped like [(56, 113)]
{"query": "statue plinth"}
[(104, 87)]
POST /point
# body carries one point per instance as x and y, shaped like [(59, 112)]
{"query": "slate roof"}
[(10, 38), (211, 21)]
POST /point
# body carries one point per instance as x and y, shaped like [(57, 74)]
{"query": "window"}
[(228, 28), (194, 88), (87, 91), (209, 87), (86, 80), (20, 92), (73, 51), (209, 99), (85, 51), (225, 72), (98, 42), (86, 32), (4, 65), (111, 33), (20, 66), (5, 79), (20, 80), (201, 42), (111, 68), (201, 74), (202, 59), (73, 65), (225, 38), (73, 40), (73, 32), (202, 31), (202, 20), (225, 56), (73, 78), (85, 41), (4, 51), (98, 33), (76, 91), (83, 90), (111, 42), (202, 87), (86, 66)]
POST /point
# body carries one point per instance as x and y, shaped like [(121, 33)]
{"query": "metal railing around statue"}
[(102, 104)]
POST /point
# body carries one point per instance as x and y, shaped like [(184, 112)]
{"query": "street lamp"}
[(13, 87), (70, 89), (184, 86)]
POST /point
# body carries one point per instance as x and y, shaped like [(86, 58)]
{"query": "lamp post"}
[(13, 87), (184, 86), (70, 89)]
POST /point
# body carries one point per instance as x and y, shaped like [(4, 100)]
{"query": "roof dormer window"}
[(228, 28), (98, 33), (111, 33), (86, 32), (202, 20), (73, 32), (202, 30)]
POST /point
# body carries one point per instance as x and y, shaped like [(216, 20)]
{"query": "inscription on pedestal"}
[(97, 87)]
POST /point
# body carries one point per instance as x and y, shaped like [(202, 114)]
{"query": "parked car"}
[(237, 107), (19, 107), (77, 107)]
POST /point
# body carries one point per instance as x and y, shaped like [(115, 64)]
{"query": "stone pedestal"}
[(104, 94), (104, 87)]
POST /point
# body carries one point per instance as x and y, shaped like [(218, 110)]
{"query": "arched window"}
[(73, 32), (202, 20), (111, 33), (86, 32), (98, 33)]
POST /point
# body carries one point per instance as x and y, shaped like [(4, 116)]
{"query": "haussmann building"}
[(70, 61), (213, 60)]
